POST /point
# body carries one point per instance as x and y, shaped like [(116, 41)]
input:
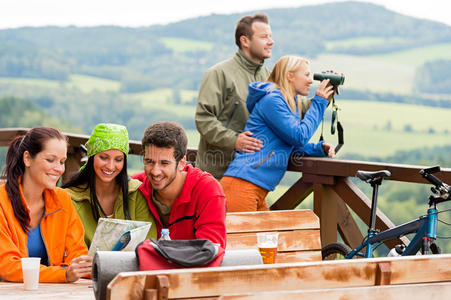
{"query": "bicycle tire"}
[(335, 251), (435, 249)]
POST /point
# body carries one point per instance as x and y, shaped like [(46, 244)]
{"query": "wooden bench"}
[(419, 291), (299, 233), (212, 283), (299, 241)]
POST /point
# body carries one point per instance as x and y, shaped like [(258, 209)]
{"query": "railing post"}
[(325, 207)]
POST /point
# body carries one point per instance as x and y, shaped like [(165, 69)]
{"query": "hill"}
[(176, 55), (135, 76)]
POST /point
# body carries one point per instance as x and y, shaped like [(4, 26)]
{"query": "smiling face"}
[(161, 167), (108, 164), (259, 47), (300, 80), (45, 169)]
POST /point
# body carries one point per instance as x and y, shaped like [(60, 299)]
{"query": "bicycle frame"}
[(425, 228)]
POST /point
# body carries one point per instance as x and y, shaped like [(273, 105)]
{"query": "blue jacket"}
[(281, 132)]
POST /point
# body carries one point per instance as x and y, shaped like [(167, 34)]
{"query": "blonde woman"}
[(275, 118)]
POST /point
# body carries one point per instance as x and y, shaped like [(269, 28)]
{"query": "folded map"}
[(118, 235)]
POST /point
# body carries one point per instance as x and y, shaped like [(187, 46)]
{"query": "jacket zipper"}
[(264, 160), (231, 115), (43, 240), (256, 71)]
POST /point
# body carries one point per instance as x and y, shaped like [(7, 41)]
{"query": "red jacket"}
[(62, 232), (198, 212)]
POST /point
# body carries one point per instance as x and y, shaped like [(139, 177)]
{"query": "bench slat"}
[(296, 240), (213, 282), (418, 291), (299, 256), (271, 221)]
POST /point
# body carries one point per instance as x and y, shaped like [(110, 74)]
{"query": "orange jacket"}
[(62, 232)]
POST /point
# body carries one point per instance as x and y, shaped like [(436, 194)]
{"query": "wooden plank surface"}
[(295, 240), (325, 207), (79, 290), (271, 221), (430, 291), (316, 275), (347, 226), (298, 256)]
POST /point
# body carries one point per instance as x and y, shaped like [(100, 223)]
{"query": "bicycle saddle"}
[(369, 176)]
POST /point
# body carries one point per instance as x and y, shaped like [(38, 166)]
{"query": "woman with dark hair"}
[(98, 190), (37, 219)]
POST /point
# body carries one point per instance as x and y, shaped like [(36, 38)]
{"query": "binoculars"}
[(335, 79)]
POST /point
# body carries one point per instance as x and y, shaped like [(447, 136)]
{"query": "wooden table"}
[(82, 289)]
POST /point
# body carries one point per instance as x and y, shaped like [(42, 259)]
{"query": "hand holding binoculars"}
[(335, 79)]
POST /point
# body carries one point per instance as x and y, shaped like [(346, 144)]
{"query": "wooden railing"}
[(334, 193)]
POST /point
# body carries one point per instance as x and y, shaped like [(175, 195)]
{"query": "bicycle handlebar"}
[(440, 185), (432, 179)]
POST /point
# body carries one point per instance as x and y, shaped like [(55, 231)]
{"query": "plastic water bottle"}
[(165, 235)]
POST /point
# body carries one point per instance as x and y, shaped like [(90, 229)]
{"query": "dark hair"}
[(87, 176), (166, 135), (244, 26), (33, 142)]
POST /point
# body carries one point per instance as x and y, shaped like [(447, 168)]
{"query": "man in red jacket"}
[(184, 199)]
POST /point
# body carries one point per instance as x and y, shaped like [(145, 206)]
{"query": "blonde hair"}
[(288, 63)]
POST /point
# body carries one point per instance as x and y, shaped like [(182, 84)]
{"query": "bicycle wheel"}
[(335, 251), (435, 249)]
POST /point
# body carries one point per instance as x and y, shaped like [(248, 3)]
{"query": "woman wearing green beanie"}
[(98, 189)]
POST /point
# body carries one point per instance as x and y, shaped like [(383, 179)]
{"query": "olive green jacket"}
[(137, 206), (221, 112)]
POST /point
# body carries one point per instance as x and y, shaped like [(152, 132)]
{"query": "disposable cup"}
[(30, 271), (267, 243)]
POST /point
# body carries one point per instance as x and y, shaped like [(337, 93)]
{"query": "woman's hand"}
[(79, 267), (325, 90), (328, 149)]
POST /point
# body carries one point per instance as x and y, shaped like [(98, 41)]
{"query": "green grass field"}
[(359, 42), (185, 45), (417, 56), (366, 133), (161, 99), (163, 96), (367, 73), (365, 125), (31, 82), (84, 83), (88, 84), (389, 73)]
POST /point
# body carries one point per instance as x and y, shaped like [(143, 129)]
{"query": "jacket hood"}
[(258, 90)]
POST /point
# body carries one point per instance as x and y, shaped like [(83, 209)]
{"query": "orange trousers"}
[(242, 195)]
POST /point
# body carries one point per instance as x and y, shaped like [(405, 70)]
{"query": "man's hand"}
[(79, 267), (246, 143), (328, 149)]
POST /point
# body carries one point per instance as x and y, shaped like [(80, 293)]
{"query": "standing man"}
[(184, 199), (221, 111)]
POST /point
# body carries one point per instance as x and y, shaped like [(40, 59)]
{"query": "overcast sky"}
[(18, 13)]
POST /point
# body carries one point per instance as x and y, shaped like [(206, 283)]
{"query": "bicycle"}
[(425, 226)]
